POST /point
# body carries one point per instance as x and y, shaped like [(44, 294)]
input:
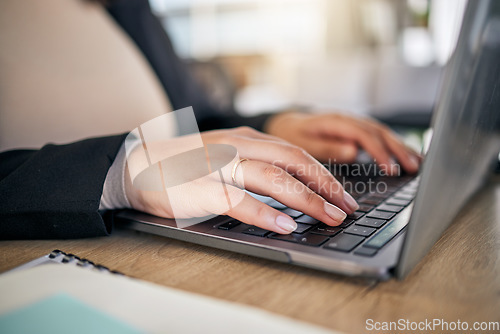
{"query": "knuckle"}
[(349, 154), (245, 130), (273, 173), (310, 197), (297, 152), (336, 188), (216, 137), (235, 140), (261, 211)]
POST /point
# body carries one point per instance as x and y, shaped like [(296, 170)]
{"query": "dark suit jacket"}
[(55, 192)]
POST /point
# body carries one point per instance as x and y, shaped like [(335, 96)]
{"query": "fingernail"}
[(286, 223), (350, 201), (414, 162), (334, 212)]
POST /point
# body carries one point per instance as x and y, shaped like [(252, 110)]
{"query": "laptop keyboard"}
[(364, 232)]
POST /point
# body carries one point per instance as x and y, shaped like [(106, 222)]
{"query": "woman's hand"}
[(274, 168), (338, 137)]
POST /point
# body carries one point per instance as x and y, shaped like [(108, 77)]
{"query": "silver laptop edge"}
[(466, 128)]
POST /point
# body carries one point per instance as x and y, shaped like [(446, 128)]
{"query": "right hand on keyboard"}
[(274, 168)]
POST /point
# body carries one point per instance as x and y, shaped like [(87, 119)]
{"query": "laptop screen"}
[(466, 126)]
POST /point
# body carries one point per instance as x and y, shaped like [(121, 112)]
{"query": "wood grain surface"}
[(458, 280)]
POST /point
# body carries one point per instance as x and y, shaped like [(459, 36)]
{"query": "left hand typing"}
[(338, 137)]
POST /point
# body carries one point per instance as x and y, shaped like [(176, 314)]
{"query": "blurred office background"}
[(382, 57)]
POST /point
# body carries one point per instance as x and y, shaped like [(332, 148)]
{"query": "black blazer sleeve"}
[(136, 18), (55, 192)]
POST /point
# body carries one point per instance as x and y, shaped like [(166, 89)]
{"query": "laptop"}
[(400, 218)]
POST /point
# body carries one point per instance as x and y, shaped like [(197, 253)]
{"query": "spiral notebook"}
[(43, 296), (58, 256)]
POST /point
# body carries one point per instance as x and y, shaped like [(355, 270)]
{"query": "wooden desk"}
[(458, 280)]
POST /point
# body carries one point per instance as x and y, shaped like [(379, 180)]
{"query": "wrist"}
[(134, 195), (276, 123), (113, 194)]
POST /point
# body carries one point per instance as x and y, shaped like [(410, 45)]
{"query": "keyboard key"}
[(305, 219), (365, 207), (307, 239), (369, 202), (386, 234), (379, 195), (268, 200), (292, 213), (376, 198), (257, 231), (344, 242), (356, 215), (324, 229), (277, 205), (360, 230), (390, 208), (395, 181), (404, 195), (229, 225), (409, 190), (356, 195), (390, 189), (365, 251), (380, 214), (371, 222), (390, 186), (398, 201), (412, 185), (346, 223), (301, 228)]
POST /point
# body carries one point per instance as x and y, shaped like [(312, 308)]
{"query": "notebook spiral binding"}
[(62, 257)]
